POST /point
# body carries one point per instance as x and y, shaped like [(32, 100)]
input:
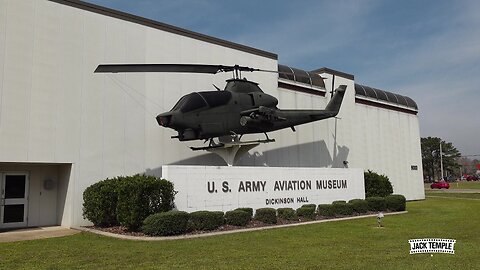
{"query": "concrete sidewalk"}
[(35, 233)]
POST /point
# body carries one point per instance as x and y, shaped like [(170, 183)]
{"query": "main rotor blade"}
[(176, 68), (183, 68)]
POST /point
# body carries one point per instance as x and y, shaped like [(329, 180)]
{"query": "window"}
[(216, 98), (190, 103), (193, 102)]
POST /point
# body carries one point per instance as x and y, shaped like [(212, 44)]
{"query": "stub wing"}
[(260, 116), (269, 119)]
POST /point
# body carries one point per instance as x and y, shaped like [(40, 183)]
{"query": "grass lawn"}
[(355, 244), (452, 195), (460, 185), (465, 185)]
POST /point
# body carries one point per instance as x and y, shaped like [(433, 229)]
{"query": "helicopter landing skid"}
[(232, 151)]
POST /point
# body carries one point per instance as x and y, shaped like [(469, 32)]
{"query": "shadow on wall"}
[(313, 154), (342, 156)]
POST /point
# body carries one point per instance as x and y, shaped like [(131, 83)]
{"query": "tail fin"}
[(336, 101)]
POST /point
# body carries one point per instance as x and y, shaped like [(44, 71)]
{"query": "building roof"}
[(334, 72), (300, 76), (365, 94), (162, 26), (384, 96)]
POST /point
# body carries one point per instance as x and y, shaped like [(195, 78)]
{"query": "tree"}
[(431, 157), (468, 166)]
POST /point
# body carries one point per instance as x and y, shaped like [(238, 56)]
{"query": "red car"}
[(472, 178), (440, 185)]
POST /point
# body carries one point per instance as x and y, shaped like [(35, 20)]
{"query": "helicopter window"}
[(216, 98), (179, 103), (194, 101), (189, 103), (252, 100)]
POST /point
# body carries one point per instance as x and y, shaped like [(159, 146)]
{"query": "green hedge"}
[(377, 185), (339, 201), (206, 220), (396, 202), (311, 205), (139, 196), (247, 209), (166, 223), (306, 211), (100, 202), (286, 213), (266, 215), (376, 204), (326, 210), (359, 206), (237, 217), (342, 208)]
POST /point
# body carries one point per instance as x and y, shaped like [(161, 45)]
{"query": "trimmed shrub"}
[(266, 215), (307, 212), (100, 202), (286, 213), (337, 202), (205, 220), (246, 209), (376, 204), (359, 206), (396, 202), (139, 196), (166, 223), (342, 208), (377, 185), (326, 210), (237, 217)]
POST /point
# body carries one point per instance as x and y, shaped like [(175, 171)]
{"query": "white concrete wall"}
[(388, 142), (378, 139), (54, 109)]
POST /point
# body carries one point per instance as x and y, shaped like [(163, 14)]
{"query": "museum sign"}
[(226, 188)]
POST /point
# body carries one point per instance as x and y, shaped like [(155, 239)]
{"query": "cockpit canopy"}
[(198, 100), (242, 86)]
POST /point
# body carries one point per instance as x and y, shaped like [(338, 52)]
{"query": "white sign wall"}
[(226, 188)]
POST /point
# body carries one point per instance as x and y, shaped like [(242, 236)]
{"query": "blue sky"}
[(428, 50)]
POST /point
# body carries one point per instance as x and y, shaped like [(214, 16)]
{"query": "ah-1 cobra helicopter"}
[(241, 108)]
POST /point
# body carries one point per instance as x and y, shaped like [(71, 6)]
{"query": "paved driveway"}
[(35, 233)]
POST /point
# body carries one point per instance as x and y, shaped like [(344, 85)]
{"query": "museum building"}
[(64, 127)]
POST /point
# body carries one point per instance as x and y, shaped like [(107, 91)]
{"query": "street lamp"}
[(441, 161)]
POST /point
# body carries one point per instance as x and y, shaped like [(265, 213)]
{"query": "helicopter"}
[(241, 108)]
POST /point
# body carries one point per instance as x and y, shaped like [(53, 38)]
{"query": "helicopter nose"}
[(164, 120)]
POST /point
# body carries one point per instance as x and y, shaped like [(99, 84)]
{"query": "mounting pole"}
[(231, 153)]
